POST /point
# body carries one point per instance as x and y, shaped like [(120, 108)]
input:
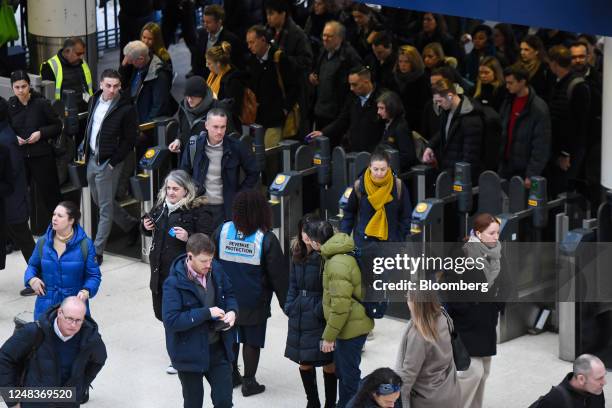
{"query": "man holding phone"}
[(199, 311)]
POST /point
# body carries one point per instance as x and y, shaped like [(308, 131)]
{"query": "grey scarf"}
[(475, 248), (197, 112)]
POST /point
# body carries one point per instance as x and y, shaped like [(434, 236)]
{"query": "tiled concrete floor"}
[(135, 375)]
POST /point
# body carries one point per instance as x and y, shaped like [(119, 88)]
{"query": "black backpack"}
[(377, 309), (39, 338)]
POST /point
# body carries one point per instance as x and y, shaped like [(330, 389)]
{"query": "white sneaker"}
[(171, 370)]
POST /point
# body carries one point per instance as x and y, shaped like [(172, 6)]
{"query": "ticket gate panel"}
[(517, 195), (339, 178), (490, 193), (286, 194), (444, 185)]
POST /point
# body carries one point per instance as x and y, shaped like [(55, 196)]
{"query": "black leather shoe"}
[(251, 387), (27, 292), (99, 259), (236, 378), (85, 396)]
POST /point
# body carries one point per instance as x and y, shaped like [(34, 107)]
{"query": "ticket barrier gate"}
[(77, 172), (288, 188), (585, 301), (529, 220), (145, 186)]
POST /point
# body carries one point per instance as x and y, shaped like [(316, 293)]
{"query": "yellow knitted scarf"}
[(214, 81), (379, 194)]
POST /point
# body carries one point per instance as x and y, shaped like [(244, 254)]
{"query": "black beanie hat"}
[(196, 86)]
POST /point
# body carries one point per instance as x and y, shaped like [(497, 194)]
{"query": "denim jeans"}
[(347, 357)]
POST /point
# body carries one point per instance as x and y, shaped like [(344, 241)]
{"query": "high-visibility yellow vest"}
[(56, 67)]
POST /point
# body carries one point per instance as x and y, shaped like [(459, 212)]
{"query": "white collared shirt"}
[(98, 116)]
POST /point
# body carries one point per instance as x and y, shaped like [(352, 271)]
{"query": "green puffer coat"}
[(346, 318)]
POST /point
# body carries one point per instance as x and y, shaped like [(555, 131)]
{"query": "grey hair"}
[(183, 179), (216, 112), (584, 364), (136, 49), (339, 27)]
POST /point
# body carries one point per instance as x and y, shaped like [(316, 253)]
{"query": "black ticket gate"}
[(145, 186), (585, 289), (302, 190)]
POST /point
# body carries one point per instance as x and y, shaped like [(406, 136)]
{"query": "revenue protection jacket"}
[(42, 368), (187, 320), (236, 156), (256, 266), (65, 275)]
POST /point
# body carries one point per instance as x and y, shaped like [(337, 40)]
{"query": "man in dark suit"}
[(213, 34)]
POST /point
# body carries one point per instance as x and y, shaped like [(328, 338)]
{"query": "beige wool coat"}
[(427, 369)]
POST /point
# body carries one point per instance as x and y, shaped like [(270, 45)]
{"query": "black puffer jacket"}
[(464, 139), (165, 248), (36, 115), (530, 148), (117, 132), (305, 311), (42, 368)]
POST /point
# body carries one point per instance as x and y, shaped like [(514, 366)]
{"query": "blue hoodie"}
[(64, 276)]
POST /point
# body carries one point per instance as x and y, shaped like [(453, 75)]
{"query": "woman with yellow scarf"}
[(379, 207), (225, 81)]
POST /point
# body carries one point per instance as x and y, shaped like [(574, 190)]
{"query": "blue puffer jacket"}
[(359, 211), (65, 276), (187, 320)]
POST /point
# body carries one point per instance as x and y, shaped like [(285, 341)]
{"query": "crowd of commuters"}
[(369, 79)]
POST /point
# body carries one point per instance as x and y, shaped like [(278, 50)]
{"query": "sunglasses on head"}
[(386, 389)]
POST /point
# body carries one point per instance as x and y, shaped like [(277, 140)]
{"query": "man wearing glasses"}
[(64, 335)]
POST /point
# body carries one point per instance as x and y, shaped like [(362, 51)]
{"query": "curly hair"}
[(251, 212)]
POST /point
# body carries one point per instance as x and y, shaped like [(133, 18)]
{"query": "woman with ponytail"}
[(225, 81)]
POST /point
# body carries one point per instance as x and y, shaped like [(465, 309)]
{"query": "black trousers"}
[(21, 236), (42, 171), (219, 376), (172, 15)]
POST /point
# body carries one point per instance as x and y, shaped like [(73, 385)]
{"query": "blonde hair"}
[(220, 54), (437, 49), (493, 64), (183, 179), (414, 58), (425, 309), (159, 48)]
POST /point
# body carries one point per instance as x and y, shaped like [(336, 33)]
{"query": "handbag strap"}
[(277, 56), (449, 322)]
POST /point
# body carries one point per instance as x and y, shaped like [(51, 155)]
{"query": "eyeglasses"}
[(386, 389), (71, 320)]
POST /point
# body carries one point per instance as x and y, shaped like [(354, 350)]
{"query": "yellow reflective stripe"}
[(88, 80), (56, 67)]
